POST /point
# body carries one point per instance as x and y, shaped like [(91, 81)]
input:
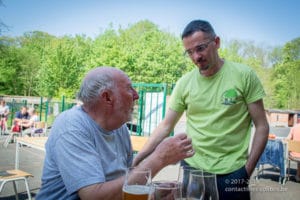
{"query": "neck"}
[(100, 117), (212, 69)]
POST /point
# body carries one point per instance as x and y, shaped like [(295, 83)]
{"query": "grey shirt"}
[(80, 153)]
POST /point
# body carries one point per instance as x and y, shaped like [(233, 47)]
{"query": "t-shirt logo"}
[(229, 97)]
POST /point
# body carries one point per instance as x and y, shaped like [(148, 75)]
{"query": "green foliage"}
[(40, 64), (286, 76), (143, 51)]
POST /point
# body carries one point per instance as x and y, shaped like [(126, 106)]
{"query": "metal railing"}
[(149, 109)]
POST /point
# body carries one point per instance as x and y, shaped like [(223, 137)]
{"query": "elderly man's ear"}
[(107, 96)]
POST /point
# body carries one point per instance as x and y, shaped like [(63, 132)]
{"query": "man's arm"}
[(290, 135), (260, 138), (169, 151), (162, 131)]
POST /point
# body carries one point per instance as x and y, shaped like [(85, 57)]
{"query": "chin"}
[(203, 68), (130, 117)]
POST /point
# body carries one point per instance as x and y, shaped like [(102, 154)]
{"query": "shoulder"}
[(238, 67), (186, 78), (240, 71), (190, 74)]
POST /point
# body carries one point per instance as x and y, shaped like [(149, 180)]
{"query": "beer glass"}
[(166, 190), (137, 184)]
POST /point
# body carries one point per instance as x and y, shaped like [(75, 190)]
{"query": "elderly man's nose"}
[(135, 95)]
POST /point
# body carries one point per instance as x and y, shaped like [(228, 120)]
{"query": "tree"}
[(286, 76)]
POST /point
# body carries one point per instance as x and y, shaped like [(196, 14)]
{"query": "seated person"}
[(4, 111), (20, 117), (28, 125), (89, 147), (295, 135)]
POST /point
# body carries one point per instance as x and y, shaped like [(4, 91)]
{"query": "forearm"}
[(111, 190), (156, 137), (161, 132), (258, 145)]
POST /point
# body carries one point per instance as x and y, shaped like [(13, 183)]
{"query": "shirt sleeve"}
[(254, 90), (78, 161)]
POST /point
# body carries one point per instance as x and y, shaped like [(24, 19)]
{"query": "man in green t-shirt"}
[(221, 100)]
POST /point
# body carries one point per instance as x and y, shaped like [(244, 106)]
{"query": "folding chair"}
[(13, 176), (293, 146)]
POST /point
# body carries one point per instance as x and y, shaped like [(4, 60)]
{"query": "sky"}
[(270, 22)]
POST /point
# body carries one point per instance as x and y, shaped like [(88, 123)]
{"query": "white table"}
[(39, 143), (33, 142)]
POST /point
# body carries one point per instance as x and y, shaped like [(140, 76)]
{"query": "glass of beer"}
[(137, 184)]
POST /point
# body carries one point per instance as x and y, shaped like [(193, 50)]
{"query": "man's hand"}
[(173, 149)]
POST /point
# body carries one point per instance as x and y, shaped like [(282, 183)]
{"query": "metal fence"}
[(48, 109), (149, 109)]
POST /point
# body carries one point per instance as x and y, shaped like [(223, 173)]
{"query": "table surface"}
[(39, 142), (35, 142)]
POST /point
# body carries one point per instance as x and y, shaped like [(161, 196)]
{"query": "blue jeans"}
[(232, 186)]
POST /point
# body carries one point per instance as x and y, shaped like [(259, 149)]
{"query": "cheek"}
[(127, 100)]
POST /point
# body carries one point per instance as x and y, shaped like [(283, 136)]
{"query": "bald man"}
[(89, 146)]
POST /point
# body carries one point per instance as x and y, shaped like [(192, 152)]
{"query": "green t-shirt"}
[(218, 120)]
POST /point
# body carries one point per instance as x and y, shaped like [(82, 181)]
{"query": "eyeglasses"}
[(198, 49)]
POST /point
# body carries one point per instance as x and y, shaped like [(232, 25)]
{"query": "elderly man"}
[(89, 147)]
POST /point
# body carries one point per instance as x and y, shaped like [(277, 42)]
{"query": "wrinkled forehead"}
[(121, 79)]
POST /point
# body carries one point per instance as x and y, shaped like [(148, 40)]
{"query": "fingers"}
[(178, 147), (181, 135), (190, 153)]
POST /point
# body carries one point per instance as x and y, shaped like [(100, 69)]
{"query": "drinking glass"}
[(166, 190), (202, 186), (137, 184), (184, 176)]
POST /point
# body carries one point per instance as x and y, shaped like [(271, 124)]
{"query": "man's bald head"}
[(96, 81)]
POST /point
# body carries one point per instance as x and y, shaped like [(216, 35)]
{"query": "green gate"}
[(149, 109)]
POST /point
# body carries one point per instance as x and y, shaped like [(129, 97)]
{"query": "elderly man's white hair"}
[(95, 82)]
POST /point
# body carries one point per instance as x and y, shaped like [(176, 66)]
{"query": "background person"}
[(28, 125), (295, 135), (89, 147), (20, 116), (221, 99), (4, 112)]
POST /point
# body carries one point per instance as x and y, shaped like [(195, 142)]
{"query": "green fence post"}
[(140, 116), (24, 102), (165, 86), (46, 110), (41, 107), (13, 102), (63, 103)]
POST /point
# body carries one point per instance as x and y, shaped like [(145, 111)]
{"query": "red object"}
[(16, 128)]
